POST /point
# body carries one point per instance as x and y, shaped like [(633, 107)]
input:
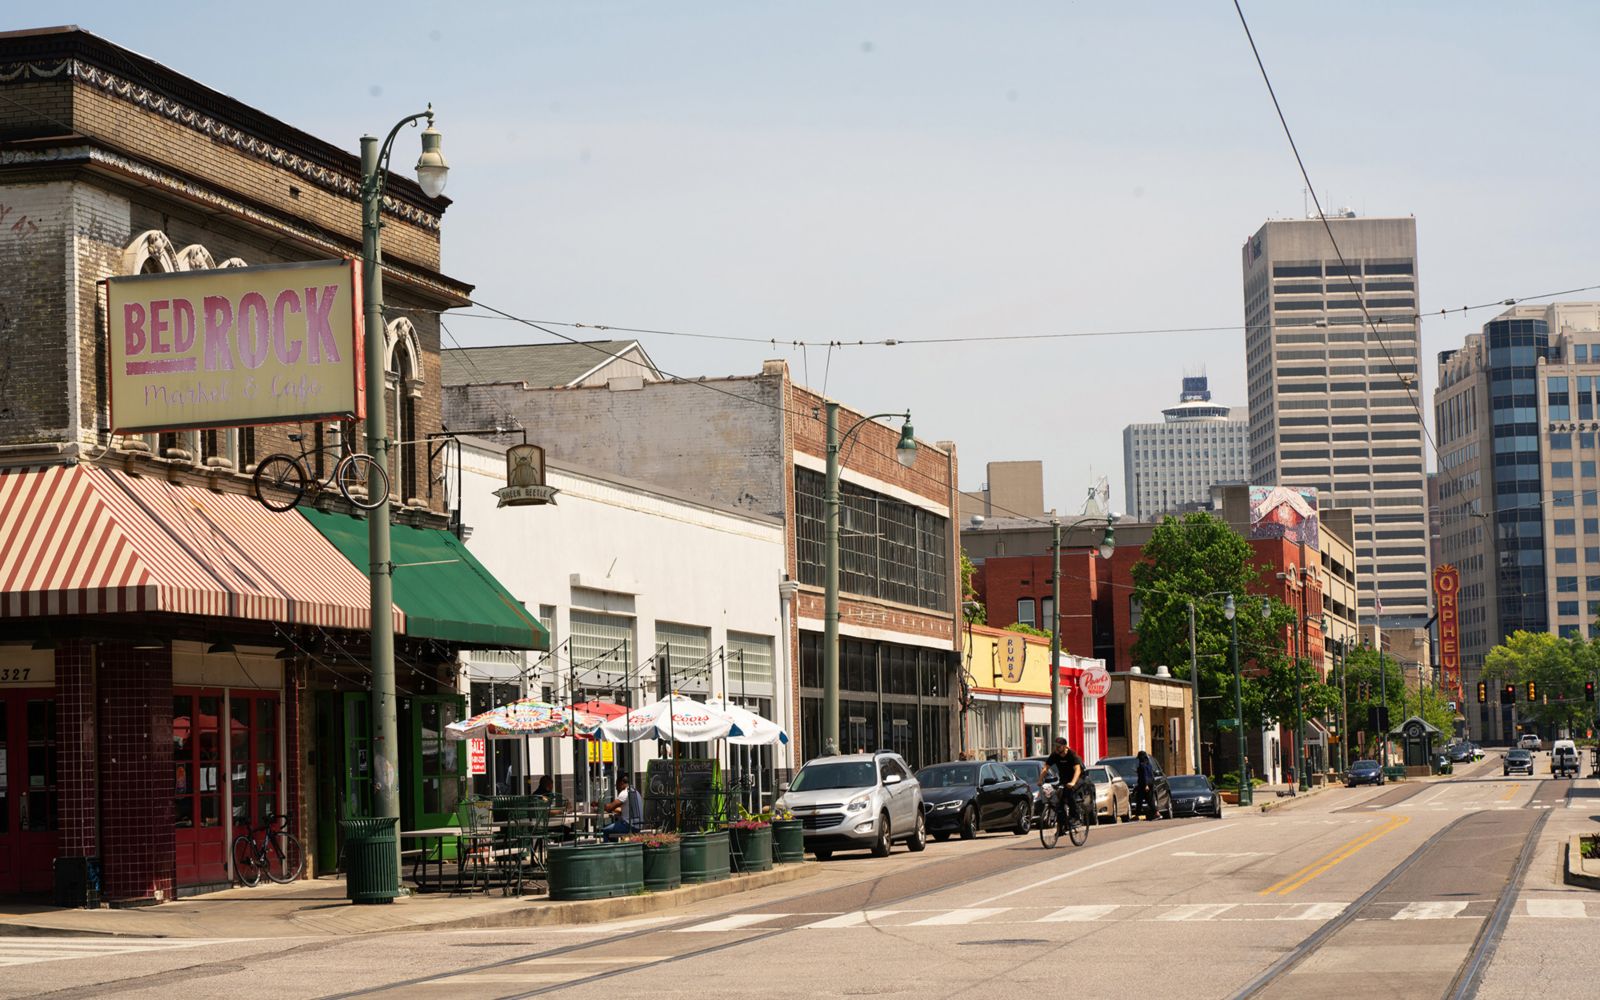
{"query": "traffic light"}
[(1588, 690), (1483, 692), (1508, 694), (1533, 691)]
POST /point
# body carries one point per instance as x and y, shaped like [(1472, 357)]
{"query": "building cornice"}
[(341, 180)]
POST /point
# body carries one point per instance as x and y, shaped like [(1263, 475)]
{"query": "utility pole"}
[(1055, 633), (1194, 691)]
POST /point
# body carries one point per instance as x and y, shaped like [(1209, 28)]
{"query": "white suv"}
[(854, 801), (1529, 741)]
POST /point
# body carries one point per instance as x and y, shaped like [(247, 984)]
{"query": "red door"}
[(201, 835), (27, 790)]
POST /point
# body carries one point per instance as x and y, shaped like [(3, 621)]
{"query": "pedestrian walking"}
[(1144, 791)]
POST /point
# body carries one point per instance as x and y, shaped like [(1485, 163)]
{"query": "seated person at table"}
[(546, 789), (626, 810)]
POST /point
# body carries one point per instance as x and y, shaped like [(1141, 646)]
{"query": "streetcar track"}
[(632, 934), (1464, 984)]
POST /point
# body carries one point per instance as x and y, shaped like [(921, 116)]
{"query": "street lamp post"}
[(906, 454), (431, 173), (1246, 790), (1108, 546)]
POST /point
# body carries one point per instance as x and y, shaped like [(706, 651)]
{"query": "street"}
[(1425, 889)]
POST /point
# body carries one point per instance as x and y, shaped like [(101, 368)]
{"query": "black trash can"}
[(78, 882), (371, 859)]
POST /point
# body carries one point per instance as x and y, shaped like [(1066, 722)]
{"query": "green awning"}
[(444, 591)]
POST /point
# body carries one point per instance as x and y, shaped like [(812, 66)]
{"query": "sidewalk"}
[(318, 908)]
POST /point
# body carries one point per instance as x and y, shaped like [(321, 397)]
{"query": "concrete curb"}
[(1577, 871), (594, 911), (1289, 800)]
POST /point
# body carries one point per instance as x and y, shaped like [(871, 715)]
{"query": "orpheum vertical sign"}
[(235, 346), (1446, 593)]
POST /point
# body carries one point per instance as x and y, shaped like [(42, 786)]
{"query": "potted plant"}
[(751, 845), (662, 870), (703, 857), (788, 838), (595, 871)]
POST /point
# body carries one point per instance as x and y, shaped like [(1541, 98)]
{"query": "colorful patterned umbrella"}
[(524, 717)]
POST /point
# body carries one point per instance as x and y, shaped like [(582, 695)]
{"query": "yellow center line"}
[(1511, 791), (1289, 884)]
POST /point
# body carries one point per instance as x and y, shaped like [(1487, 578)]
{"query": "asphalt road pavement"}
[(1447, 888)]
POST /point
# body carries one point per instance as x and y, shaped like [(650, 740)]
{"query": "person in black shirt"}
[(1069, 771)]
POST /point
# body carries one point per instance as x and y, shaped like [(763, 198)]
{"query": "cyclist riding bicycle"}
[(1069, 771)]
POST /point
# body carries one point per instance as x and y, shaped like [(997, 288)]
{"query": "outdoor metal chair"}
[(475, 847)]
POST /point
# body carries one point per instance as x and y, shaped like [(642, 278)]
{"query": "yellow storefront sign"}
[(235, 346)]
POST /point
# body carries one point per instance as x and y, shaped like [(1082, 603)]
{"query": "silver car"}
[(862, 801), (1112, 800)]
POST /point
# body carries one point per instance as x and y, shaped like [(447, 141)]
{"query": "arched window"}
[(403, 378)]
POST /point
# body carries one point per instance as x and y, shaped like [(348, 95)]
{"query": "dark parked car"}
[(1031, 771), (1460, 753), (1519, 761), (1363, 772), (1194, 795), (1128, 768), (966, 797)]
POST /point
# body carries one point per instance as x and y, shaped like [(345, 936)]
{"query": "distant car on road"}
[(966, 797), (1112, 799), (1363, 772), (1564, 759), (1194, 795), (1529, 741), (1518, 760), (1460, 753)]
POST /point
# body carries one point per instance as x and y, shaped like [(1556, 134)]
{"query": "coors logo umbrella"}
[(672, 718)]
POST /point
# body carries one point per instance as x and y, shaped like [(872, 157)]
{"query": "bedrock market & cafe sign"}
[(231, 347)]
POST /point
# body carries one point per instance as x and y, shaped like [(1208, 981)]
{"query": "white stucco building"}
[(642, 591)]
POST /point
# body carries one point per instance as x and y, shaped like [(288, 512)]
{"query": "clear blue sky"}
[(850, 171)]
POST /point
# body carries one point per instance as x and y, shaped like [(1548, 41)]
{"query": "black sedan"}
[(1460, 753), (1194, 795), (967, 797), (1128, 767), (1363, 772), (1031, 771)]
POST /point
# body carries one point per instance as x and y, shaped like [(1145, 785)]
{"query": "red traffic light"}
[(1588, 690)]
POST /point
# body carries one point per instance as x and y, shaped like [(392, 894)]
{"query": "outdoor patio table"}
[(419, 869)]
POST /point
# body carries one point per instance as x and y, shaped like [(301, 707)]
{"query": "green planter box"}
[(662, 870), (751, 850), (596, 871), (703, 857), (788, 841)]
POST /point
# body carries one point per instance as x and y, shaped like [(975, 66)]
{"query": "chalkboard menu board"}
[(681, 794)]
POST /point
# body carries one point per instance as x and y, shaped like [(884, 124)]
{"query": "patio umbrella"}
[(602, 709), (753, 730), (672, 718), (524, 717)]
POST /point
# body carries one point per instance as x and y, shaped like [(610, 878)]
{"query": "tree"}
[(972, 610), (1557, 668), (1198, 558), (1027, 629), (1365, 682)]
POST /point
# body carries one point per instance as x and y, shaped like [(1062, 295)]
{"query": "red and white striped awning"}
[(78, 540)]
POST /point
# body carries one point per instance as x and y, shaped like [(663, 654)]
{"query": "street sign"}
[(1227, 723)]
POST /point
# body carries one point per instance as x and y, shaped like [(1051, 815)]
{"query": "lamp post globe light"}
[(1106, 549), (432, 171), (905, 452)]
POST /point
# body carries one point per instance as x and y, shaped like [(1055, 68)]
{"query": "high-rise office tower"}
[(1516, 417), (1171, 466), (1331, 402)]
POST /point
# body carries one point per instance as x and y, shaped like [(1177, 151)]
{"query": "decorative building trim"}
[(324, 177), (93, 155)]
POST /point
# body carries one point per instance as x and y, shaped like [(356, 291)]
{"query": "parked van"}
[(1563, 759)]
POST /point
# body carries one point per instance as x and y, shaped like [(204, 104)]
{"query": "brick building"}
[(757, 443), (146, 600)]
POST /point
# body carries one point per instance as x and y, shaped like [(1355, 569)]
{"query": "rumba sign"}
[(235, 346)]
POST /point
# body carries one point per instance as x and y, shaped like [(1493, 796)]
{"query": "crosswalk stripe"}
[(736, 922), (1197, 911), (1082, 913), (1314, 911), (855, 919), (1560, 908), (29, 950), (1439, 910), (964, 916)]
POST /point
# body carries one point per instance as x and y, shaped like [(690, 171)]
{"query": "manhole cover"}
[(1006, 941)]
